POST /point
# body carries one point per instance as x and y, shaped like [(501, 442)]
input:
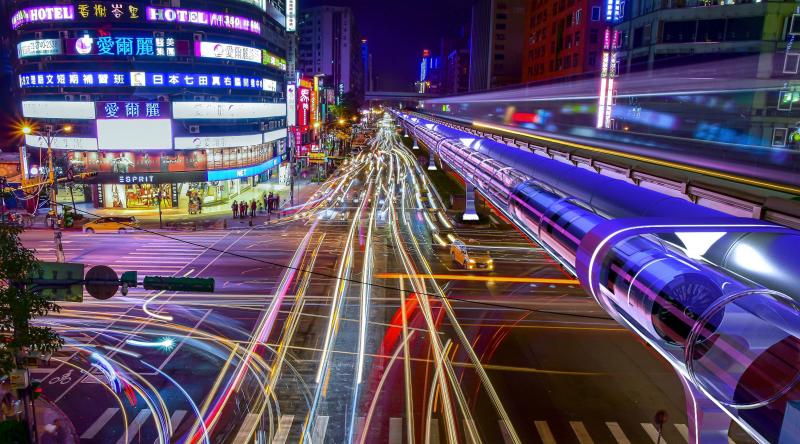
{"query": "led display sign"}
[(121, 11), (132, 110), (203, 18), (58, 110), (215, 175), (291, 98), (43, 47), (270, 85), (227, 110), (39, 14), (272, 60), (127, 45), (137, 79), (275, 135), (227, 52)]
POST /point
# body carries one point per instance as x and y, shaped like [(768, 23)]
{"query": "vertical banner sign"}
[(291, 98), (314, 101), (303, 106), (608, 67), (291, 15)]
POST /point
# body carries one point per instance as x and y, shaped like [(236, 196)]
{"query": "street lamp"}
[(48, 136)]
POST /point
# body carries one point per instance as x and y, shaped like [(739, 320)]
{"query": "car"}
[(117, 224), (470, 259)]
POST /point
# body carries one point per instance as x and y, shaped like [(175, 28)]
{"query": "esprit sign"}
[(134, 178)]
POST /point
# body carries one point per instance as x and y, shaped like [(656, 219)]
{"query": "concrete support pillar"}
[(469, 204), (708, 424), (432, 162), (415, 147)]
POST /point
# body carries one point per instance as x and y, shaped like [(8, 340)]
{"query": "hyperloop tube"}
[(736, 340), (769, 259)]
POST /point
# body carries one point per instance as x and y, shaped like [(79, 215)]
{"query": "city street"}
[(349, 322)]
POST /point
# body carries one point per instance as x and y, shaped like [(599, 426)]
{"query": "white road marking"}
[(581, 432), (247, 427), (320, 428), (395, 430), (99, 423), (135, 425), (282, 432), (617, 432), (652, 432), (544, 432)]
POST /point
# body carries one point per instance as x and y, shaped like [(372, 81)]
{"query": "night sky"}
[(398, 31)]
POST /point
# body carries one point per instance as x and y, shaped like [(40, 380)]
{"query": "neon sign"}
[(272, 60), (44, 47), (38, 14), (108, 11), (126, 45), (227, 52), (291, 15), (614, 10), (132, 110), (204, 18), (139, 79)]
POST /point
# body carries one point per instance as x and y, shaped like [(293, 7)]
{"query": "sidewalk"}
[(212, 216), (52, 424)]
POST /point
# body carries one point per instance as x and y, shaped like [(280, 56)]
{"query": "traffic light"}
[(179, 284), (35, 389)]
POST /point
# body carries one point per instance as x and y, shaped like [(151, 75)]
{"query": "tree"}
[(20, 303)]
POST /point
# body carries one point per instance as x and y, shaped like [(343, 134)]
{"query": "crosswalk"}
[(547, 432)]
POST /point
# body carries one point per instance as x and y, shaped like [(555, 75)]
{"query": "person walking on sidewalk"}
[(235, 209), (7, 407), (252, 208), (266, 201), (242, 209), (271, 202)]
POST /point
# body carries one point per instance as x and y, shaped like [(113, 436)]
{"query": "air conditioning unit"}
[(85, 98), (39, 35), (163, 99), (198, 37), (214, 99), (63, 34), (198, 98), (69, 97), (263, 126), (194, 129)]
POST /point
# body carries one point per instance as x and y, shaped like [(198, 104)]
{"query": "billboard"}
[(58, 110), (137, 162), (138, 134), (132, 110), (203, 142), (226, 51), (272, 60), (126, 45), (227, 110), (63, 143), (42, 47)]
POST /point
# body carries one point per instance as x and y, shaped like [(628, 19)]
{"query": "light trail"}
[(165, 343), (466, 277)]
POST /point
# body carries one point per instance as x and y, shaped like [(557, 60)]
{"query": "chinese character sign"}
[(143, 79), (227, 51), (204, 18), (303, 106), (132, 110), (122, 45)]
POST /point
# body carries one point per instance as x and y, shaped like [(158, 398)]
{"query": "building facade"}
[(366, 63), (738, 39), (563, 39), (186, 103), (495, 45), (330, 46)]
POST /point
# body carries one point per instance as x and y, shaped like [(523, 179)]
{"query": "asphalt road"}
[(292, 347)]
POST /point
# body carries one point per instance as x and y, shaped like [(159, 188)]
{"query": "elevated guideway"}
[(715, 295)]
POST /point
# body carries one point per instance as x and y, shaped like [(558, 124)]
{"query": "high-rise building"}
[(495, 43), (563, 39), (157, 100), (742, 39), (431, 74), (329, 45)]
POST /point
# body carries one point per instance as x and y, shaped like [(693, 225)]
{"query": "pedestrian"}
[(266, 202), (235, 209), (242, 209), (277, 203), (199, 206), (252, 208), (7, 407), (271, 200)]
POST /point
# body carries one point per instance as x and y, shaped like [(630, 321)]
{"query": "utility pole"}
[(160, 221)]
